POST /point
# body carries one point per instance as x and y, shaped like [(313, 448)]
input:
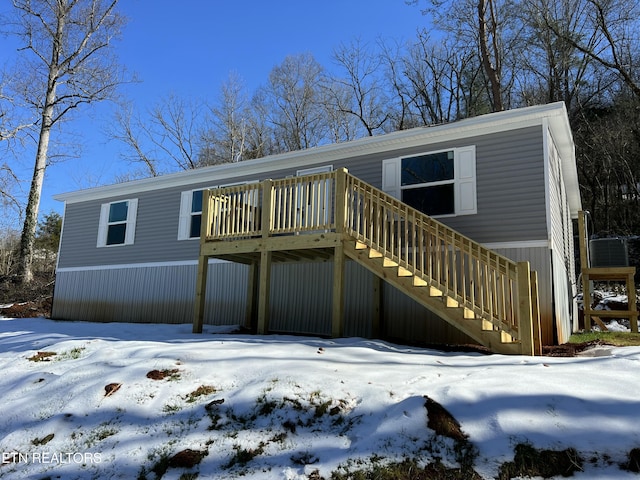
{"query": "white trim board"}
[(521, 244), (138, 265)]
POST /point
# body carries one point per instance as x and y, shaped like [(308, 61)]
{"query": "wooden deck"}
[(334, 217)]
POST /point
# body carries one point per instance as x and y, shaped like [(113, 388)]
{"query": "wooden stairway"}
[(447, 308), (487, 296)]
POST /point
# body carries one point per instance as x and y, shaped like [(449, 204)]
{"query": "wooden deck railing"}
[(296, 205), (475, 277), (492, 286)]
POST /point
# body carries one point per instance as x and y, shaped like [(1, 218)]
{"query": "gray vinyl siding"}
[(510, 189), (563, 260), (510, 194)]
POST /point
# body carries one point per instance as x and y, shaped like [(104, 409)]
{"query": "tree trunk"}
[(25, 273), (492, 71)]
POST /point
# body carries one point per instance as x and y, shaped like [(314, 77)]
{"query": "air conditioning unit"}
[(608, 252)]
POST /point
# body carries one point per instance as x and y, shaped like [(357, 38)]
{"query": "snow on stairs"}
[(434, 299)]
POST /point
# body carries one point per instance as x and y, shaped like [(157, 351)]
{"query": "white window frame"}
[(186, 201), (130, 223), (184, 222), (464, 181)]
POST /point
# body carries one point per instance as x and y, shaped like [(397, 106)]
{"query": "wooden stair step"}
[(361, 246), (434, 292), (468, 314), (387, 262), (450, 302), (403, 272), (487, 326), (419, 282)]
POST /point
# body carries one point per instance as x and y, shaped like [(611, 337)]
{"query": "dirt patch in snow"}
[(35, 308)]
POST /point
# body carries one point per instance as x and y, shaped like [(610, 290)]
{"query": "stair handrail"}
[(477, 278)]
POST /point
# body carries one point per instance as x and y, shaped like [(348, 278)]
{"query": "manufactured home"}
[(448, 234)]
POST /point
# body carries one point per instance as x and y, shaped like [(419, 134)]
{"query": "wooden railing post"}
[(525, 308), (535, 306), (341, 200), (267, 207)]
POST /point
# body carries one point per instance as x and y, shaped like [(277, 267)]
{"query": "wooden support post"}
[(203, 266), (264, 292), (377, 307), (584, 265), (525, 311), (337, 311), (201, 289), (631, 302), (252, 295), (264, 284), (535, 315)]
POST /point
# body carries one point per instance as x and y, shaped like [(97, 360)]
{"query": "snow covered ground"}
[(282, 407)]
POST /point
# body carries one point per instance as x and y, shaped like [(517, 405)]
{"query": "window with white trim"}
[(191, 211), (439, 183), (117, 223), (190, 214)]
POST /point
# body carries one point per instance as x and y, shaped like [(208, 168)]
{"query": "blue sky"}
[(189, 50)]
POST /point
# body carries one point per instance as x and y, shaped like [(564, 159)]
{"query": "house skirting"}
[(300, 298)]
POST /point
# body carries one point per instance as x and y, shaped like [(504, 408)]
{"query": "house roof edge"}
[(492, 122)]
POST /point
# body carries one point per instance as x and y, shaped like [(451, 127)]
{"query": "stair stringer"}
[(423, 294)]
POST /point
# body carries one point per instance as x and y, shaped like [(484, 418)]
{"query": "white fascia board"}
[(563, 138), (181, 263), (415, 137)]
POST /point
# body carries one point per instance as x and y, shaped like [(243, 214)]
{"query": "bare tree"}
[(128, 128), (440, 80), (293, 96), (359, 92), (260, 140), (168, 137), (176, 130), (400, 95), (341, 125), (227, 139), (553, 69), (490, 49), (65, 63), (493, 29), (10, 127), (614, 38)]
